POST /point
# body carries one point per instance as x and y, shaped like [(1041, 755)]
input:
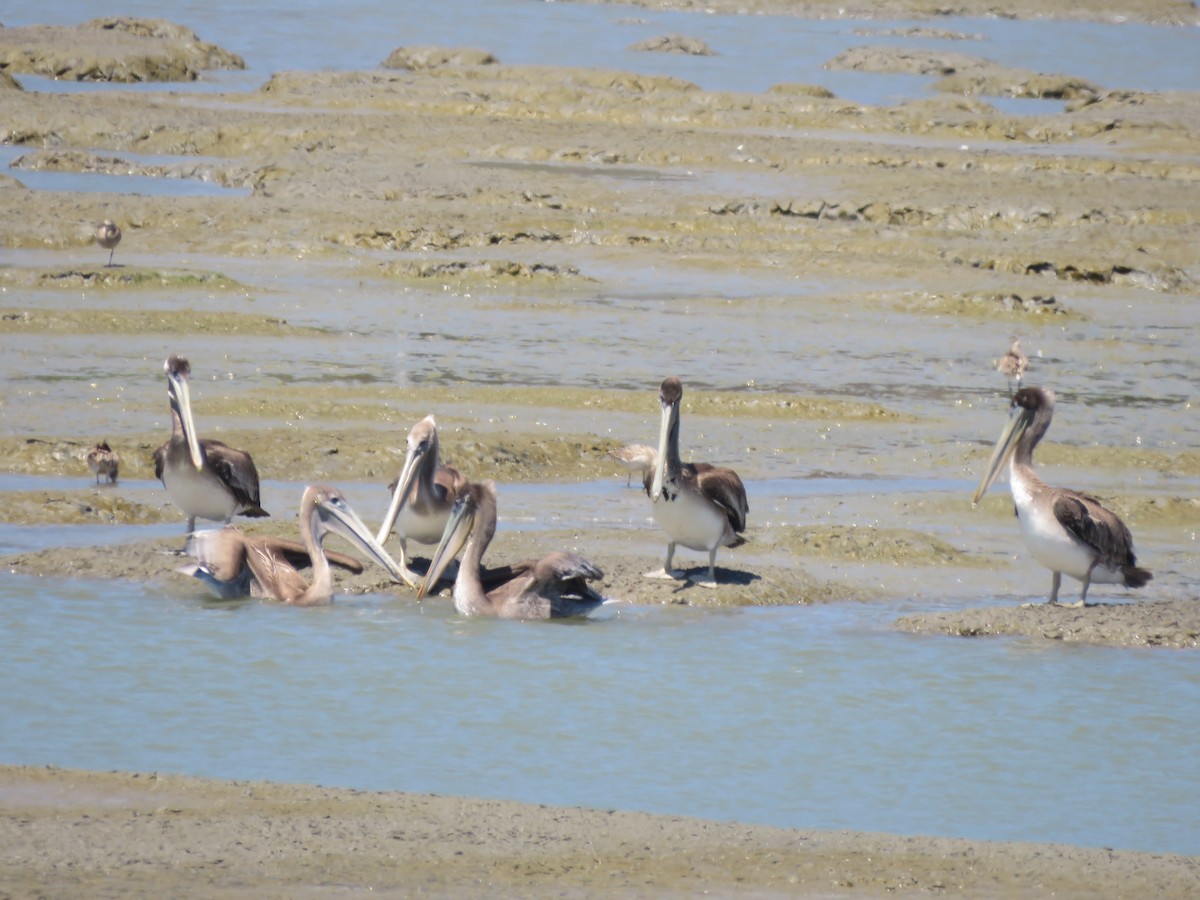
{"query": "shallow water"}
[(810, 717), (807, 716)]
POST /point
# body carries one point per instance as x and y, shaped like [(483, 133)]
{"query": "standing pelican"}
[(423, 494), (1065, 530), (234, 565), (634, 458), (553, 587), (103, 461), (205, 478), (699, 505), (1012, 365), (108, 235)]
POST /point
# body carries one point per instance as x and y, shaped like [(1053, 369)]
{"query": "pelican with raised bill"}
[(1067, 531), (553, 587), (634, 458), (423, 495), (205, 478), (699, 505), (104, 463), (234, 565)]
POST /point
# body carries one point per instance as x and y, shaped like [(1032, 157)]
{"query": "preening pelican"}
[(553, 587), (205, 478), (235, 565), (633, 458), (699, 505), (423, 494), (1013, 364), (1066, 531), (103, 462), (108, 235)]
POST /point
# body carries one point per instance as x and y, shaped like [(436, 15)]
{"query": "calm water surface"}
[(810, 717)]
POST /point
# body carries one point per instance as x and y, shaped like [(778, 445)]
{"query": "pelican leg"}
[(410, 577), (1055, 585), (1087, 582), (666, 571), (711, 581)]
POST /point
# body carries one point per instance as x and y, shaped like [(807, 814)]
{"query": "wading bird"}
[(699, 505), (1066, 531), (103, 462), (1013, 364), (234, 565), (634, 458), (205, 478), (553, 587), (423, 495), (108, 235)]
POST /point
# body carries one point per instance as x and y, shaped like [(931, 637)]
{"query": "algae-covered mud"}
[(527, 251)]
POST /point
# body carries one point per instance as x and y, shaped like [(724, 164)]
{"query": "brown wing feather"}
[(274, 575), (1095, 526), (235, 468), (294, 554), (723, 487), (451, 481), (160, 460)]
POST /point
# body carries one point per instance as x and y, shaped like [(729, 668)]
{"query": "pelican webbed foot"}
[(704, 581), (664, 575)]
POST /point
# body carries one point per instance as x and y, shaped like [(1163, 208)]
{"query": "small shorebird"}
[(205, 478), (633, 458), (423, 494), (1066, 531), (1013, 364), (553, 587), (234, 565), (699, 505), (108, 235), (103, 461)]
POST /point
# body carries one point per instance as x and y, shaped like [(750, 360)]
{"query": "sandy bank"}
[(65, 832)]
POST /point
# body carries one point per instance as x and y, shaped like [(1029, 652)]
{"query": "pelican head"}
[(422, 445), (178, 370), (332, 513), (670, 396), (1025, 405), (459, 526)]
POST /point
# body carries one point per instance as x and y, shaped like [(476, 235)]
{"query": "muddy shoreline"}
[(196, 837)]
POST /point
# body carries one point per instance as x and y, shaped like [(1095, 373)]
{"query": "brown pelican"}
[(103, 461), (234, 565), (634, 458), (1012, 365), (423, 494), (699, 505), (108, 235), (205, 478), (553, 587), (1065, 530)]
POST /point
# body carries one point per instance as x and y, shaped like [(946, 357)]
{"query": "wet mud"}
[(523, 193)]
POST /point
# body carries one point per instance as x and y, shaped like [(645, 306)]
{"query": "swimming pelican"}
[(699, 505), (553, 587), (1066, 531), (1012, 365), (205, 478), (103, 461), (423, 494), (235, 565), (634, 458), (108, 235)]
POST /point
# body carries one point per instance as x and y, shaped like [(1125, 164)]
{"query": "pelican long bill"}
[(181, 399), (341, 519), (458, 530), (1006, 445)]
